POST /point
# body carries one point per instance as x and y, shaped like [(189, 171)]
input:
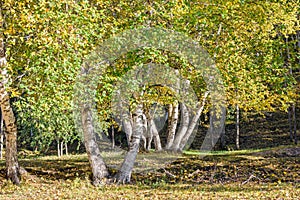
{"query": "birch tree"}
[(11, 158)]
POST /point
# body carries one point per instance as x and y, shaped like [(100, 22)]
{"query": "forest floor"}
[(271, 173), (267, 167)]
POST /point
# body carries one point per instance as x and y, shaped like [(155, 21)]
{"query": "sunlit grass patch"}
[(251, 174)]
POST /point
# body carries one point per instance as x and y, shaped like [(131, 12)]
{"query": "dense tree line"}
[(255, 46)]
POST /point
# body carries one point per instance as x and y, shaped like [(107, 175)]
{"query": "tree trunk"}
[(58, 148), (112, 137), (237, 140), (61, 148), (124, 175), (173, 117), (98, 166), (222, 138), (12, 165), (193, 123), (290, 123), (1, 135), (152, 132), (295, 123), (146, 134), (291, 110), (184, 124), (155, 135), (124, 117), (66, 148), (127, 126), (172, 124)]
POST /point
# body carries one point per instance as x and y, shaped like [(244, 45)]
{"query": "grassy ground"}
[(79, 189), (263, 170), (261, 174)]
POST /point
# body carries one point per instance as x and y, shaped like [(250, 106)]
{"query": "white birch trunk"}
[(146, 134), (127, 127), (184, 124), (155, 135), (58, 148), (62, 148), (12, 164), (173, 117), (124, 175), (295, 123), (237, 140), (97, 163), (172, 125), (193, 123)]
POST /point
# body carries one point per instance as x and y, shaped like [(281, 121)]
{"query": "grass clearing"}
[(82, 189), (260, 174)]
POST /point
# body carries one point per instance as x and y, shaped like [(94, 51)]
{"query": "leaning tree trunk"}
[(127, 127), (124, 175), (193, 124), (146, 134), (97, 163), (154, 133)]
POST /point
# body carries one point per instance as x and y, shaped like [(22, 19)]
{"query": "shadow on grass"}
[(213, 169)]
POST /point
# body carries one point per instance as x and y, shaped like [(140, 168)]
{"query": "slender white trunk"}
[(290, 123), (184, 124), (58, 148), (237, 140), (98, 166), (173, 117), (66, 148), (127, 127), (172, 124), (62, 148), (155, 135), (124, 175), (295, 123), (193, 123), (146, 134)]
